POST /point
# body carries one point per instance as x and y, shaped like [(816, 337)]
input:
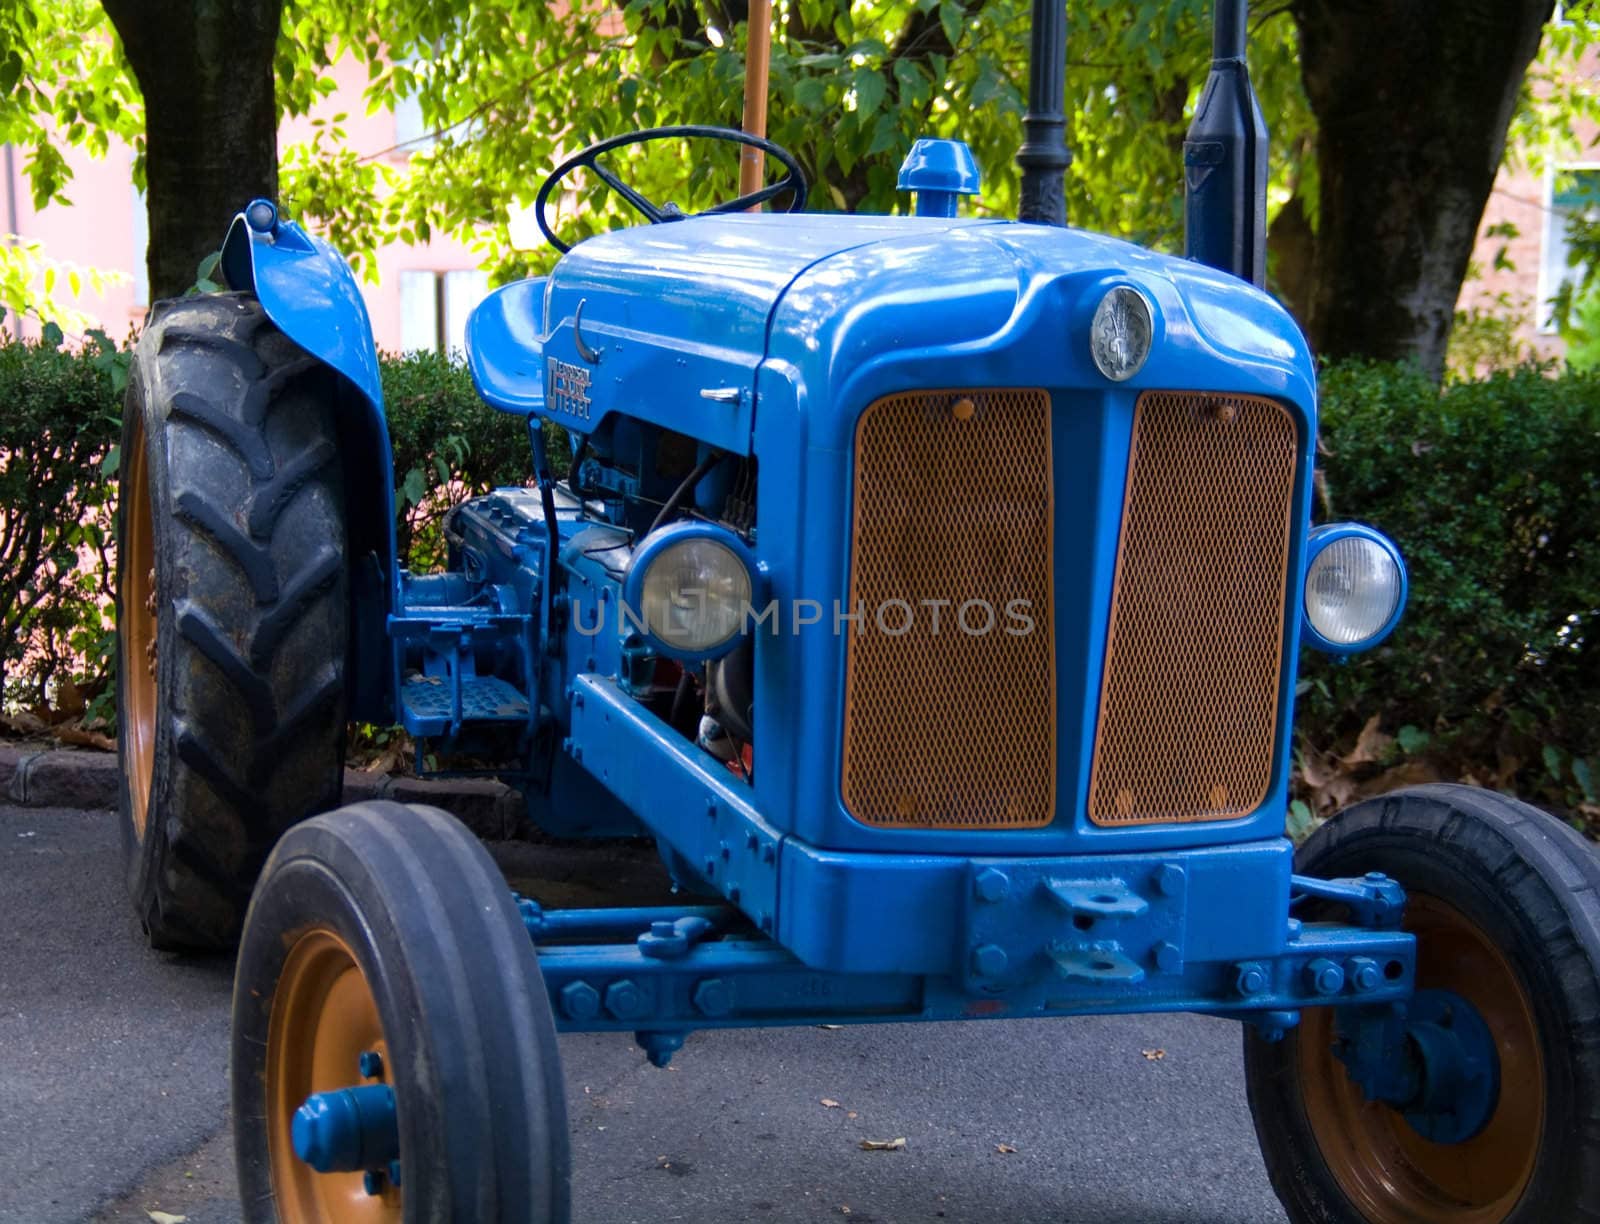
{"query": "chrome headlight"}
[(1121, 333), (1355, 588), (690, 587)]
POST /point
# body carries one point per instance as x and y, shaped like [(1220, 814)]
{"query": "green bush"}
[(60, 415), (1492, 491)]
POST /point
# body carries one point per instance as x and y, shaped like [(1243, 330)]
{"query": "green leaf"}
[(1583, 773), (1301, 821), (1554, 760), (414, 487), (1412, 740), (10, 73), (52, 335), (112, 461), (208, 267)]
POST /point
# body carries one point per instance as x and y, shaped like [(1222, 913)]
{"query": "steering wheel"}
[(656, 214)]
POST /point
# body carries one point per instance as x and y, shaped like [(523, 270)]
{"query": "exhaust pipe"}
[(1043, 156), (1225, 160)]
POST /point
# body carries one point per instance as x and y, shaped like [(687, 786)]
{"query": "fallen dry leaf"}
[(1005, 1149), (1371, 745), (852, 1114), (829, 1103), (883, 1145), (85, 739), (163, 1217), (1154, 1055)]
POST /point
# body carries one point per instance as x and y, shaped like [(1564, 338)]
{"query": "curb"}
[(69, 778)]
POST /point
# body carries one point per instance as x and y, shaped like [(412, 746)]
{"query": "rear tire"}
[(386, 926), (232, 609), (1505, 904)]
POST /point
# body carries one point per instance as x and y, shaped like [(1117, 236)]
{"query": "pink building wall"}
[(104, 226)]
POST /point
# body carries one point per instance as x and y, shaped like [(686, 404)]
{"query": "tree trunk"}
[(211, 121), (1412, 104)]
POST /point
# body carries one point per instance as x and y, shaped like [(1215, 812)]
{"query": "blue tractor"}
[(929, 588)]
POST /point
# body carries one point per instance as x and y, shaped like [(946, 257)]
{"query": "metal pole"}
[(758, 55), (1043, 156), (1225, 159)]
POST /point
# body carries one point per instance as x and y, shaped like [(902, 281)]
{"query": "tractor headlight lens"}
[(692, 595), (1120, 334), (1355, 586)]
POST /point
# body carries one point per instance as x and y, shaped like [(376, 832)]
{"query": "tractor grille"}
[(1189, 702), (953, 502)]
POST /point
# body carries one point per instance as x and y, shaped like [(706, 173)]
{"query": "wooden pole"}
[(758, 55)]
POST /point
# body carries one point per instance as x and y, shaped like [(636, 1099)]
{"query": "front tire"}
[(386, 927), (1505, 903), (232, 608)]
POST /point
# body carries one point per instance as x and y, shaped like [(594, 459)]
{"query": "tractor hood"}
[(672, 323)]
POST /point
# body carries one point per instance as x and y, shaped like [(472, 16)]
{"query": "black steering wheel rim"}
[(794, 180)]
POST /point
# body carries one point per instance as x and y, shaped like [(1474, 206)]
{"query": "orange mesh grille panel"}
[(1189, 704), (954, 728)]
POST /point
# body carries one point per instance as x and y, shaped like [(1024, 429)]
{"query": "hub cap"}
[(1389, 1171)]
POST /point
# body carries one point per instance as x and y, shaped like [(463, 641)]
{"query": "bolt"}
[(711, 808), (713, 998), (1169, 879), (1169, 957), (1377, 877), (1251, 979), (622, 999), (663, 930), (1363, 973), (372, 1181), (580, 1001), (989, 960), (991, 884), (1325, 976), (371, 1064)]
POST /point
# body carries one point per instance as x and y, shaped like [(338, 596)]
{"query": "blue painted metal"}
[(1374, 900), (741, 979), (310, 294), (505, 347), (939, 172), (347, 1129), (1318, 539), (1432, 1058)]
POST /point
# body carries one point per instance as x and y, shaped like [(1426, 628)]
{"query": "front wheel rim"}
[(1387, 1170), (324, 1017)]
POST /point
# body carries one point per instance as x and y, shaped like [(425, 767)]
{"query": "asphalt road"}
[(113, 1095)]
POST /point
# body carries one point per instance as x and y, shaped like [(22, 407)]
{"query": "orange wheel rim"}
[(1390, 1172), (323, 1018), (138, 631)]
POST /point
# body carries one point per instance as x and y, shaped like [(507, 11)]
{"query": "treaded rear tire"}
[(1529, 884), (243, 734), (470, 1041)]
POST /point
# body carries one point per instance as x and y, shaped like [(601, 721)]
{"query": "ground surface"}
[(113, 1094)]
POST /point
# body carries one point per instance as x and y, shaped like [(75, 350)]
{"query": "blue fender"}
[(310, 294)]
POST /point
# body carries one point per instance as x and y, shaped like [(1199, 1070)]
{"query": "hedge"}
[(1491, 488)]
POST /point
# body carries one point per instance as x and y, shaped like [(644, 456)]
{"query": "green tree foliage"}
[(507, 88)]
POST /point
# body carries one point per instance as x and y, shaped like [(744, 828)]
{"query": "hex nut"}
[(991, 884), (989, 960), (1169, 879), (1362, 972), (1326, 976), (580, 1001), (713, 998), (1251, 978), (622, 999)]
